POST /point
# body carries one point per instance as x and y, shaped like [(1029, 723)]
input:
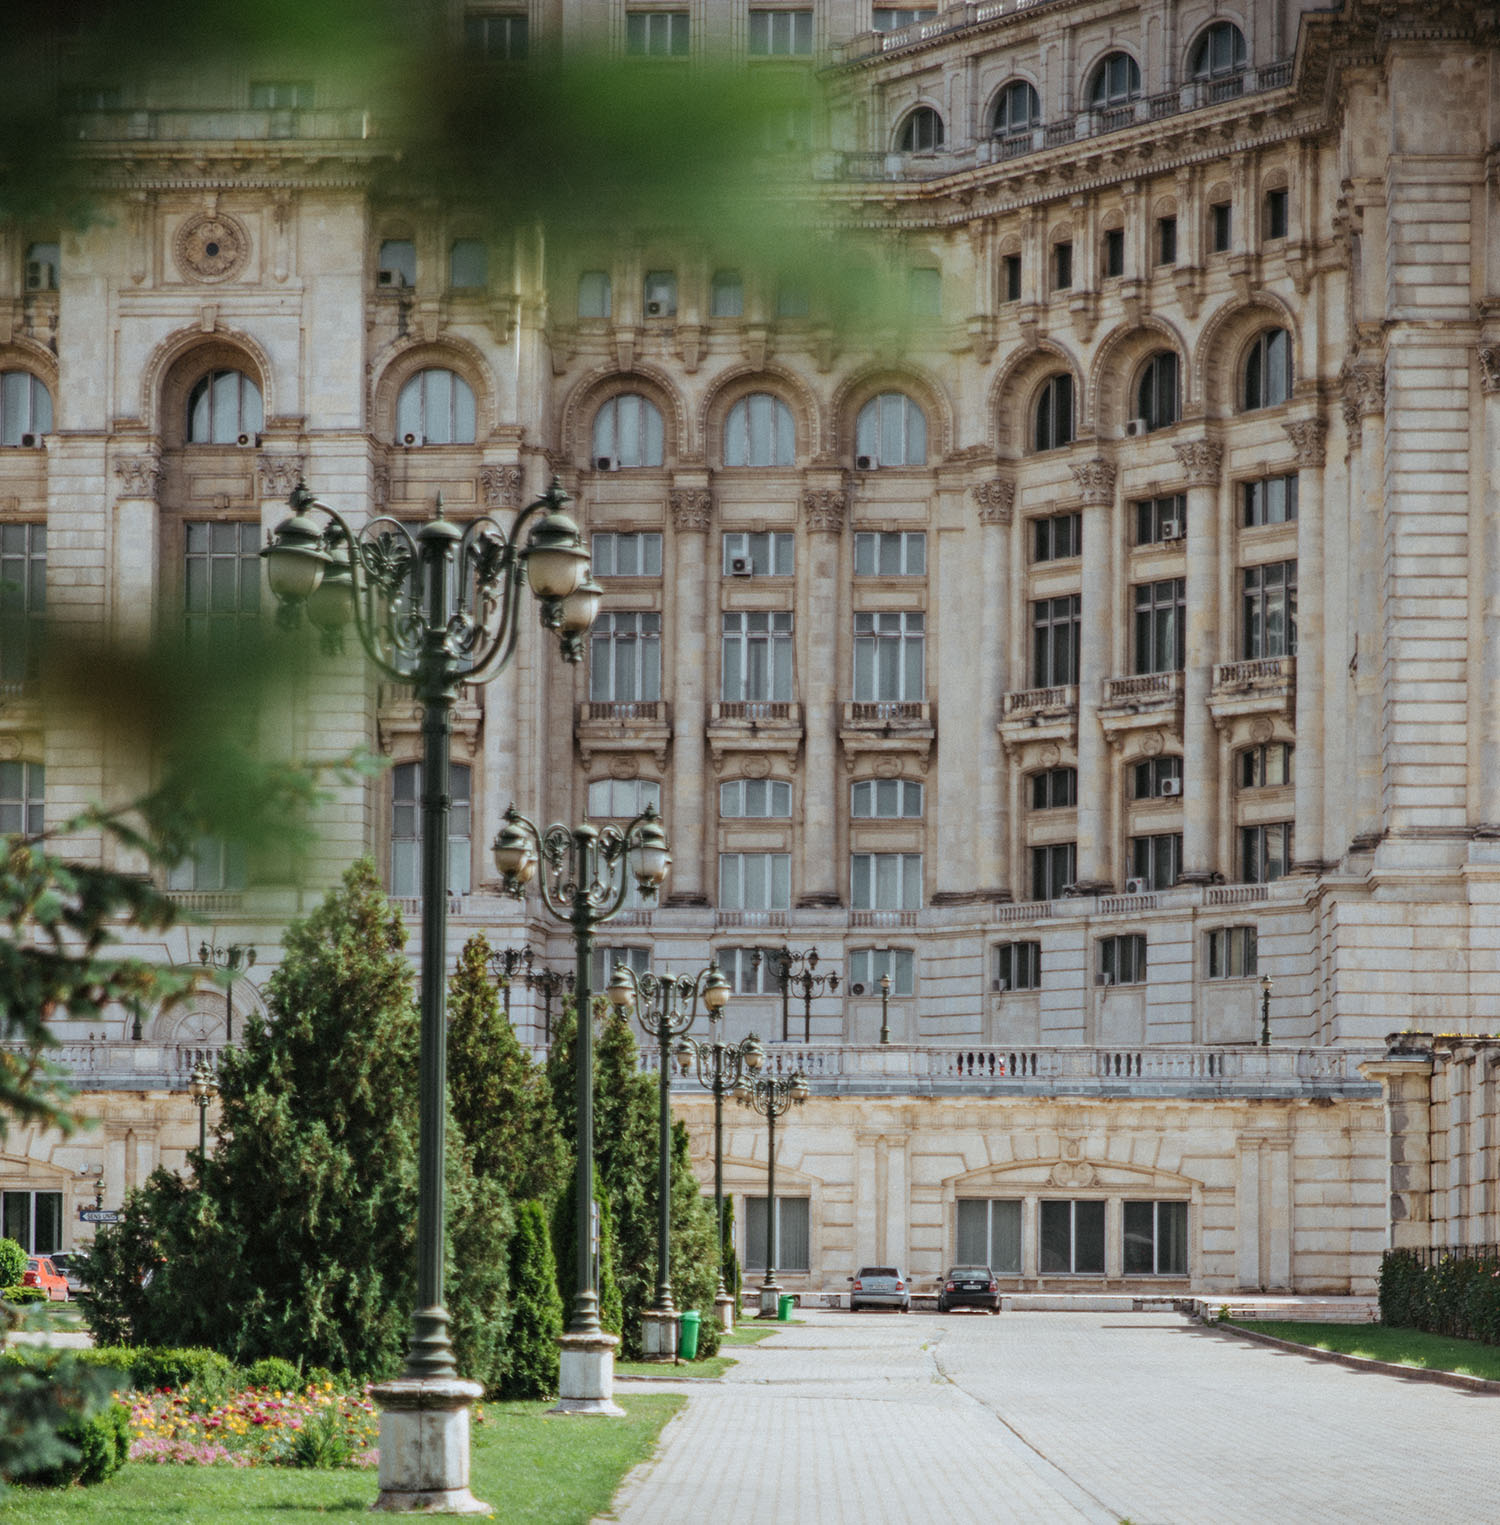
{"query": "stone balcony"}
[(1259, 686), (892, 727), (1143, 701), (120, 1065), (765, 726), (624, 725), (1039, 714)]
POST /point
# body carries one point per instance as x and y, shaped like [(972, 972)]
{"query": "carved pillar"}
[(1096, 484), (1486, 810), (824, 513), (1309, 438), (501, 489), (133, 596), (692, 511), (995, 871), (1200, 461)]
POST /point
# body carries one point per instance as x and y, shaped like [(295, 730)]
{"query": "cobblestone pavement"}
[(1061, 1417)]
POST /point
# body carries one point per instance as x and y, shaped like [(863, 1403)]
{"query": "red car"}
[(40, 1272)]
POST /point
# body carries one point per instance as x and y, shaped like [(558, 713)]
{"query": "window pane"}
[(973, 1232), (793, 1226), (1056, 1244), (1005, 1238), (1140, 1248)]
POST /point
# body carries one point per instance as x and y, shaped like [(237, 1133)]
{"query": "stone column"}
[(1406, 1080), (1364, 387), (995, 499), (1096, 483), (824, 512), (692, 510), (501, 487), (1309, 438), (1247, 1215), (1200, 461), (1485, 811)]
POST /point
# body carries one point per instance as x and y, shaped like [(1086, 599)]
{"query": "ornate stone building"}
[(1123, 637)]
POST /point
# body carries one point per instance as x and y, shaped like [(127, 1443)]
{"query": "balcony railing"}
[(757, 712), (750, 918), (623, 709), (1039, 701), (884, 712), (883, 918), (1143, 688), (1258, 672), (208, 902), (120, 1065)]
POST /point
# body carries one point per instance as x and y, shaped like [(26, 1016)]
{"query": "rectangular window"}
[(759, 554), (757, 655), (793, 1237), (1158, 520), (755, 881), (1054, 788), (1053, 869), (1270, 610), (726, 297), (893, 553), (792, 300), (759, 799), (1265, 852), (1219, 226), (23, 789), (281, 95), (1156, 1242), (496, 39), (1122, 960), (606, 956), (1072, 1241), (867, 965), (406, 829), (622, 799), (221, 579), (660, 294), (1156, 777), (989, 1234), (593, 294), (886, 799), (398, 256), (1166, 240), (1160, 625), (1272, 500), (625, 657), (1157, 859), (889, 651), (1054, 640), (889, 17), (213, 864), (780, 34), (468, 264), (1114, 251), (1017, 966), (1268, 766), (1276, 213), (1012, 277), (23, 600), (1062, 266), (34, 1220), (748, 970), (627, 555), (1057, 537), (924, 292), (886, 881), (656, 34), (1231, 953)]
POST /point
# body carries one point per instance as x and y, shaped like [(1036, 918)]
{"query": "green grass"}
[(709, 1366), (1377, 1342), (535, 1468), (748, 1334)]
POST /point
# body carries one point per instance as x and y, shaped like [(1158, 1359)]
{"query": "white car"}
[(880, 1287)]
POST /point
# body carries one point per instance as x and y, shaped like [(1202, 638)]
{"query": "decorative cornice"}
[(279, 474), (692, 509), (825, 509), (1096, 480), (139, 475), (500, 486), (1489, 367), (995, 498), (1201, 460), (1309, 437)]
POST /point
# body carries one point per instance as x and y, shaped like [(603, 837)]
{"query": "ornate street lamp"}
[(585, 876), (551, 982), (435, 609), (885, 1008), (505, 964), (720, 1066), (794, 971), (202, 1087), (771, 1096), (1265, 1011), (666, 1007), (230, 959)]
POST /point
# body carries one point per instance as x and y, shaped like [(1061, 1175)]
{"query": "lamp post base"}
[(424, 1446), (768, 1299), (724, 1311), (659, 1331), (586, 1382)]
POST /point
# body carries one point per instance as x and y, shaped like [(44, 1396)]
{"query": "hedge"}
[(1454, 1295)]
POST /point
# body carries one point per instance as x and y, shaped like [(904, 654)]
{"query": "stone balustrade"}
[(120, 1065)]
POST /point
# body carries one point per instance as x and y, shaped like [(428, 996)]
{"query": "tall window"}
[(1072, 1238), (1270, 610), (625, 656), (1268, 370), (1017, 966), (748, 970), (656, 34), (1271, 500), (1220, 51), (1156, 777), (758, 553), (755, 881), (406, 829), (780, 34), (435, 407), (1054, 640), (1054, 788), (888, 656), (887, 18), (214, 864), (1221, 225), (886, 881), (1232, 953), (885, 799), (1122, 960), (891, 430), (593, 294), (496, 39), (757, 655), (1054, 413), (632, 554), (628, 431), (1054, 868), (221, 579), (1116, 81), (622, 799), (1157, 859), (397, 262), (1161, 519), (760, 432), (757, 799), (793, 1237), (34, 1220), (23, 788), (1114, 251), (659, 294), (921, 132), (1267, 766), (223, 408), (867, 965), (468, 264), (1160, 621), (1156, 394), (44, 260), (1156, 1238), (890, 553), (989, 1234), (23, 600), (26, 409), (1017, 110), (1012, 277), (1057, 537), (1265, 852), (726, 298), (1278, 204), (1062, 265), (1166, 240), (607, 955)]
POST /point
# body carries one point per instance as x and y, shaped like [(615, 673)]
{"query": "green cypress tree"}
[(536, 1320), (694, 1275)]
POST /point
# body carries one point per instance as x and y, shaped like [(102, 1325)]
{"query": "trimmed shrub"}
[(274, 1372), (58, 1428), (1454, 1295), (18, 1296), (536, 1319), (12, 1264), (209, 1374), (103, 1443)]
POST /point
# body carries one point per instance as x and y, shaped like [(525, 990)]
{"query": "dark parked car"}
[(969, 1287)]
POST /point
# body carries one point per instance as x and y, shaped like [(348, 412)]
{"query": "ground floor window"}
[(793, 1234), (989, 1234), (1156, 1239), (34, 1220), (1072, 1239)]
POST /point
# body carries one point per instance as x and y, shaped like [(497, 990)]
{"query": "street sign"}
[(98, 1215)]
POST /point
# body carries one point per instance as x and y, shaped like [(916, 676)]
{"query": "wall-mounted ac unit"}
[(866, 463), (606, 463), (1171, 529), (247, 441), (1106, 979), (391, 279), (413, 439), (1136, 426), (1170, 787), (656, 309), (1000, 985), (31, 442), (741, 566), (856, 989), (40, 275), (1135, 886)]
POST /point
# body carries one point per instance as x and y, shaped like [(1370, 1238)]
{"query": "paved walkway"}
[(1055, 1418)]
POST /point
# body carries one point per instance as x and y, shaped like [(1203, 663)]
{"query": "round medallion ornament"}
[(1153, 743), (757, 767), (212, 248), (624, 768), (1261, 729)]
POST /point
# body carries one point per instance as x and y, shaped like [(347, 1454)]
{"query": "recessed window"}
[(756, 656), (221, 579), (1017, 109), (1220, 225), (620, 554), (1054, 788), (1267, 766), (1268, 370), (924, 291), (1114, 251), (1166, 240), (1062, 266), (435, 407), (1270, 610), (497, 39), (887, 18), (889, 656), (886, 799), (1220, 51), (628, 432), (759, 431), (406, 828), (625, 656), (656, 34), (1157, 402), (1016, 966), (1160, 520), (26, 409), (1054, 640), (920, 132), (867, 965), (606, 956), (726, 295), (212, 865), (23, 601), (1160, 625), (281, 95), (793, 1238), (622, 799), (890, 553), (1231, 953), (43, 262), (989, 1234), (756, 799), (224, 408), (1054, 867), (1277, 204), (1156, 860), (759, 553), (780, 34), (890, 430), (397, 263), (886, 881), (468, 264), (748, 970), (1011, 276), (755, 881), (1121, 960), (659, 294), (1265, 852), (23, 790), (792, 300), (1271, 500), (1116, 81), (1072, 1238), (34, 1219), (1054, 413), (1156, 1238), (593, 294), (1156, 778)]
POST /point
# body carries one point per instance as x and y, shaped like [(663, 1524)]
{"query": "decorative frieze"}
[(692, 509), (279, 474), (1201, 461), (500, 486), (995, 498), (140, 475), (1309, 437), (825, 509), (1096, 480)]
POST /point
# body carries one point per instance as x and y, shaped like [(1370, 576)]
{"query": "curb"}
[(703, 1381)]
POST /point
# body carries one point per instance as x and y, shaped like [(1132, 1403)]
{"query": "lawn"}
[(535, 1468), (709, 1366), (1377, 1342)]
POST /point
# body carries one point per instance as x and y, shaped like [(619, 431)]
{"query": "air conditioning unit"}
[(655, 309), (1171, 529), (413, 439), (40, 275), (606, 463), (1136, 426), (1106, 979), (1170, 788), (1000, 985), (247, 441), (31, 442), (1070, 889), (1135, 886), (392, 279), (741, 566), (866, 463), (856, 989)]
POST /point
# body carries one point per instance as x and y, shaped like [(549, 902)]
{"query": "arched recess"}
[(22, 354), (728, 388), (1112, 378), (992, 104), (200, 1017), (183, 358), (1222, 344), (405, 358), (1013, 394), (596, 388), (924, 389)]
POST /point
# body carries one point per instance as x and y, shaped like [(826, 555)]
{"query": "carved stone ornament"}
[(10, 748), (279, 474), (500, 486), (1153, 744), (756, 767), (139, 475), (1200, 460), (1364, 386), (211, 247), (380, 486), (887, 767), (624, 767), (1050, 755), (826, 509), (1489, 367), (692, 509), (995, 499), (1309, 437), (1096, 480), (1072, 1173), (1261, 729)]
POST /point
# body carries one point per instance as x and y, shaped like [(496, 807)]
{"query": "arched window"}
[(892, 430), (1219, 51), (628, 432), (593, 294), (921, 132), (223, 408), (1054, 413), (1116, 81), (25, 409), (1268, 369), (1156, 398), (435, 407), (759, 432), (1017, 110)]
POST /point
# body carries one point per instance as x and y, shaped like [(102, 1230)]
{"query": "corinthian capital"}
[(1309, 437), (501, 486), (139, 475), (995, 499), (1489, 367), (1096, 480), (825, 509), (279, 474), (1200, 460), (692, 509)]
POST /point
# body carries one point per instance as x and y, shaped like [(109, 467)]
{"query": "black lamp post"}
[(665, 1007), (551, 982), (229, 959), (771, 1096), (584, 879), (1265, 1011), (720, 1066), (202, 1087), (436, 609), (885, 1008), (795, 971), (505, 964)]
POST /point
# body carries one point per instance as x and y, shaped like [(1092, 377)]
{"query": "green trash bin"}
[(784, 1305), (687, 1335)]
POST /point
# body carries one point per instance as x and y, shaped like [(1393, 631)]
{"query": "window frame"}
[(460, 829), (894, 419), (904, 789), (1046, 1247), (921, 130), (1231, 953), (463, 416), (1266, 377), (1259, 501), (1264, 600), (992, 1232), (756, 1206), (763, 642), (249, 408), (1257, 856), (899, 963), (1009, 92), (1156, 857), (771, 553), (1048, 783), (1154, 513), (28, 804), (876, 633), (631, 648), (598, 288), (868, 880), (798, 41), (245, 611), (1201, 63), (605, 547), (1054, 869), (39, 411), (1155, 771), (1056, 537), (1052, 651), (878, 542), (1015, 966), (1107, 94), (1160, 1236), (23, 600), (773, 787), (1159, 620), (777, 874), (640, 786), (1121, 959), (642, 27), (1054, 419), (1256, 757), (1112, 260), (1163, 412), (648, 436), (781, 433)]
